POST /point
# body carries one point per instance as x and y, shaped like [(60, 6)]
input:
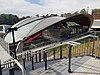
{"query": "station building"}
[(39, 31)]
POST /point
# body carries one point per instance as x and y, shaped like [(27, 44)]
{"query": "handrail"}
[(19, 46), (11, 64), (20, 66), (56, 44), (73, 42)]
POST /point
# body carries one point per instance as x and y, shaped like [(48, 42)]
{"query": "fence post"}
[(32, 59), (60, 52), (93, 47), (11, 71), (39, 56), (54, 53), (30, 55), (23, 58), (36, 56), (27, 54), (45, 60), (0, 68)]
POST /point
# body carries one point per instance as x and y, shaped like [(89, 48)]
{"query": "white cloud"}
[(24, 8)]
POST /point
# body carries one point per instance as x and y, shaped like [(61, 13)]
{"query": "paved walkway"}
[(85, 65), (90, 67)]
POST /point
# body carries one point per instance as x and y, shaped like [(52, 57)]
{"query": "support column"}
[(14, 45), (69, 56), (13, 37), (60, 52)]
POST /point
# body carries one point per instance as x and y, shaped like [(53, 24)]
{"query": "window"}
[(1, 28)]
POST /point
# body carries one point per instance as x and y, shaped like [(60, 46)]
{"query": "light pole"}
[(12, 30)]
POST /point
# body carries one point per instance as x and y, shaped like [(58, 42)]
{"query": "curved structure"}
[(31, 28)]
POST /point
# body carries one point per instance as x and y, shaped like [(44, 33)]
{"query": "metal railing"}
[(19, 47), (89, 47), (12, 64)]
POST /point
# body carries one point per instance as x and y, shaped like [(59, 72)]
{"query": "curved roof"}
[(31, 26), (82, 19)]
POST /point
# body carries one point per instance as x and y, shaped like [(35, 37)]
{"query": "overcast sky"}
[(42, 7)]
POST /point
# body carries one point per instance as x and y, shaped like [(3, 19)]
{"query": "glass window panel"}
[(1, 28)]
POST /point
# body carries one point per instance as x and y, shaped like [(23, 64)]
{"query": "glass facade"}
[(65, 30)]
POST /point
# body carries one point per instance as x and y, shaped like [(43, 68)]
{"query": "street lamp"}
[(12, 30)]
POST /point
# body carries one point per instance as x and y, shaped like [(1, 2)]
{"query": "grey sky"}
[(32, 7)]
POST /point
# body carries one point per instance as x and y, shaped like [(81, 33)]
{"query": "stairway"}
[(7, 62)]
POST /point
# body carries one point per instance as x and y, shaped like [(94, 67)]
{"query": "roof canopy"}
[(31, 26)]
